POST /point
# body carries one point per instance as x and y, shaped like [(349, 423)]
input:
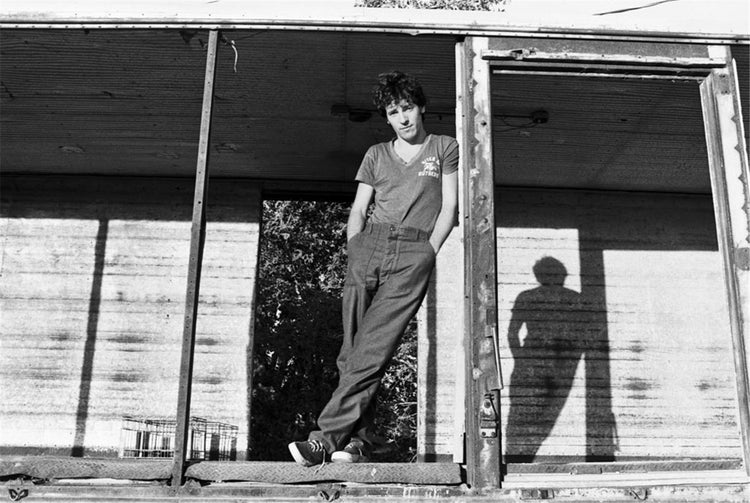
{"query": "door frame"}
[(477, 59)]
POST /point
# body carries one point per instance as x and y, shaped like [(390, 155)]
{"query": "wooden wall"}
[(440, 354), (630, 358), (92, 295)]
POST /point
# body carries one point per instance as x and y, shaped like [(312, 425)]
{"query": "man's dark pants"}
[(388, 272)]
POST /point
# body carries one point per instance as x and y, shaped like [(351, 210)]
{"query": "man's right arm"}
[(358, 213)]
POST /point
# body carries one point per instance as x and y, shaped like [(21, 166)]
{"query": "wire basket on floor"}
[(154, 438)]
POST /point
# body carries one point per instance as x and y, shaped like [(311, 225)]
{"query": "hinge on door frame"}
[(489, 417)]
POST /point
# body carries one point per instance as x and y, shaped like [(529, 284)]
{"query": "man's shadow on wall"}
[(563, 327)]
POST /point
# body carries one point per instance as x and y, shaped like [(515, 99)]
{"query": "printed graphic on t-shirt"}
[(430, 167)]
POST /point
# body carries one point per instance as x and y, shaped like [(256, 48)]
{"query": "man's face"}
[(406, 120)]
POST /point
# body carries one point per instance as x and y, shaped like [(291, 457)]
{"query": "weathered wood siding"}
[(92, 300), (629, 358), (640, 334), (440, 410)]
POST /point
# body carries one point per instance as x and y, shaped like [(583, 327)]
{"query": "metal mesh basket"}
[(154, 438)]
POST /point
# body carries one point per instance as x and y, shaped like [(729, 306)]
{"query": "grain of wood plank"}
[(47, 277), (670, 382)]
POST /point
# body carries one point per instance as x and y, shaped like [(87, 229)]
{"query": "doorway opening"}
[(298, 333), (616, 348)]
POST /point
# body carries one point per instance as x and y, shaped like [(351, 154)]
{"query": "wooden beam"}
[(595, 58), (630, 490), (197, 239), (480, 288), (601, 52), (730, 185)]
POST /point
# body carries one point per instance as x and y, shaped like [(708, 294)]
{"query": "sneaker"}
[(308, 452), (354, 452)]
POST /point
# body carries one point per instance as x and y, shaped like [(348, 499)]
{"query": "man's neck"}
[(408, 150), (416, 142)]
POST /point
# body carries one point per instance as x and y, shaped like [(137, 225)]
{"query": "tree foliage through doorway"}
[(298, 333)]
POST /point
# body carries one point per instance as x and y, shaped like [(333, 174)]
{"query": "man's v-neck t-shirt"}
[(409, 193)]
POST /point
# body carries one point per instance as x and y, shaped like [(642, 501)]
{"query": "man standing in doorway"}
[(414, 183)]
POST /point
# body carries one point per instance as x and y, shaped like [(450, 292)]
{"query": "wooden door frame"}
[(477, 58), (730, 186)]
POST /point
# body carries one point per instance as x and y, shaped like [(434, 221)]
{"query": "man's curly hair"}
[(396, 86)]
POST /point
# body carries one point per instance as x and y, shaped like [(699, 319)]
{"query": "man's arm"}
[(358, 213), (446, 219)]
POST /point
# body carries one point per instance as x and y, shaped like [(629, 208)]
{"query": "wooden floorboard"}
[(56, 468), (630, 466), (53, 467), (292, 473)]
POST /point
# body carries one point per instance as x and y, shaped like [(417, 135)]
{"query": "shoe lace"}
[(320, 466), (316, 445), (353, 445)]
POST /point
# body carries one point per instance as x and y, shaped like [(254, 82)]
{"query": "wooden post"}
[(197, 239), (480, 289), (730, 185)]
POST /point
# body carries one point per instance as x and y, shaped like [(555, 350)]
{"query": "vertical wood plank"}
[(730, 185), (197, 240), (461, 390), (440, 390), (480, 294)]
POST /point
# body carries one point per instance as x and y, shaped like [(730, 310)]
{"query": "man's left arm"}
[(446, 219)]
